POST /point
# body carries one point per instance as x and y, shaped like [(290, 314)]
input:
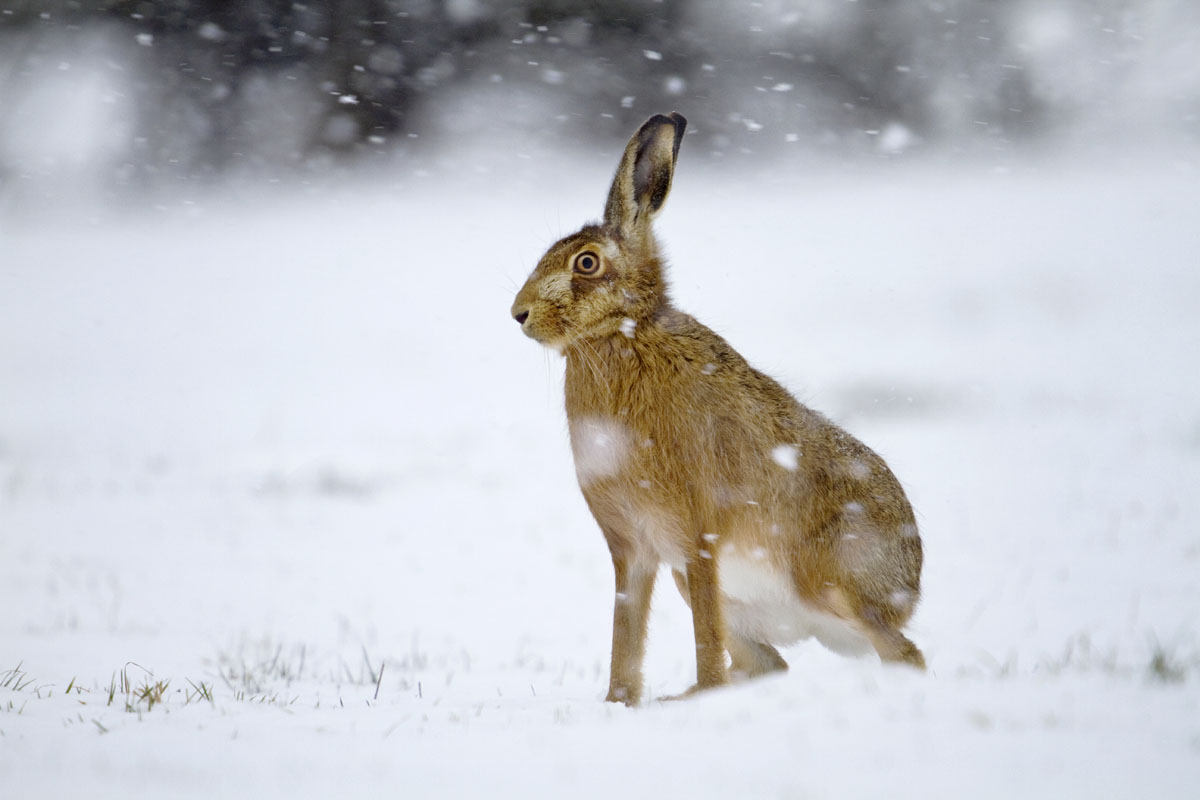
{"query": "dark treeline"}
[(356, 76)]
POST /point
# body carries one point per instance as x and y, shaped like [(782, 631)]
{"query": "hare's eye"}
[(587, 263)]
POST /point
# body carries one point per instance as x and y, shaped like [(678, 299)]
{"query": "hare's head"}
[(588, 284)]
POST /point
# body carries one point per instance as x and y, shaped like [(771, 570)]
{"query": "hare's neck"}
[(603, 375)]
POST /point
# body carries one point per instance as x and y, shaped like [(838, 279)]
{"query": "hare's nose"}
[(520, 318)]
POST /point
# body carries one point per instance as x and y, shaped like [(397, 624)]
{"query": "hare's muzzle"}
[(521, 316)]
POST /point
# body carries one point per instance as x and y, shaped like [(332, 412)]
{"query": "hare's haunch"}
[(778, 525)]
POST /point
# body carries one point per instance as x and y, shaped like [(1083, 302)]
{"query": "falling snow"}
[(293, 484), (786, 456), (859, 470)]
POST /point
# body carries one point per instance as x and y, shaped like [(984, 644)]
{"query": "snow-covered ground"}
[(287, 508)]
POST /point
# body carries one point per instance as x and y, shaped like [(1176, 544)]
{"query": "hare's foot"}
[(686, 693), (629, 695), (691, 691), (700, 686), (894, 647), (753, 659)]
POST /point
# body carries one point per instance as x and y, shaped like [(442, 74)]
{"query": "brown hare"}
[(778, 524)]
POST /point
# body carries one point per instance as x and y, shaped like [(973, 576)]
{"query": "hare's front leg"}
[(631, 612), (704, 596)]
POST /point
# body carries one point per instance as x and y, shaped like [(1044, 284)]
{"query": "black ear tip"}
[(680, 124), (674, 119), (677, 122)]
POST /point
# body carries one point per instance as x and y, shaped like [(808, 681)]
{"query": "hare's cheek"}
[(598, 307), (556, 289)]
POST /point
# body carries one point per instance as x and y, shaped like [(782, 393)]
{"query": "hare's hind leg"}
[(753, 659), (892, 645), (880, 624)]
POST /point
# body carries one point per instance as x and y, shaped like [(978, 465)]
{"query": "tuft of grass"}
[(263, 671), (123, 691), (1167, 664), (151, 694), (258, 667), (203, 691), (1165, 667), (378, 683), (366, 675), (15, 679)]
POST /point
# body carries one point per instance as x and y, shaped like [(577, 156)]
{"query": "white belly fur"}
[(761, 605)]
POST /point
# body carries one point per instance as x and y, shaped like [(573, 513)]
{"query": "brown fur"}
[(674, 434)]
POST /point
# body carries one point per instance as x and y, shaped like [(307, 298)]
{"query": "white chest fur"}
[(658, 535)]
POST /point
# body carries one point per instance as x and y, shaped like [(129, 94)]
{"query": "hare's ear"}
[(643, 179)]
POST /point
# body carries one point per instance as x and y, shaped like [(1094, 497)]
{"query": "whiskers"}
[(509, 285), (594, 362)]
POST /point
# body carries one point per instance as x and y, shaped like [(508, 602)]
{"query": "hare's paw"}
[(752, 659), (685, 694), (691, 691), (628, 695)]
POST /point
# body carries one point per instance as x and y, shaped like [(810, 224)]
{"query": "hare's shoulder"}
[(721, 371), (717, 382), (753, 401), (693, 340)]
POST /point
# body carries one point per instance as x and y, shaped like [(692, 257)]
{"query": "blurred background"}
[(104, 100)]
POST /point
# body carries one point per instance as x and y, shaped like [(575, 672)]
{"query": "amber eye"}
[(587, 263)]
